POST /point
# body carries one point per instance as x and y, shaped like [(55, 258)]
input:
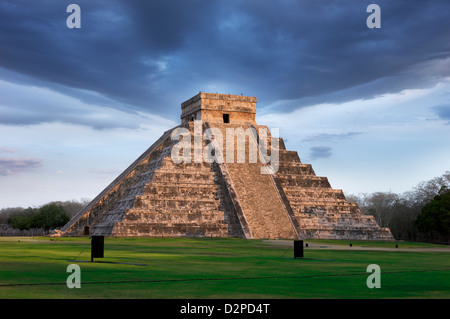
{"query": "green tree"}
[(435, 216), (20, 222), (22, 219), (49, 216)]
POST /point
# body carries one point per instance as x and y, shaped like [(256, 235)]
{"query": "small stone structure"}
[(280, 198)]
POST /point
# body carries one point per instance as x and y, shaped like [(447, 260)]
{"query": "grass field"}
[(220, 268)]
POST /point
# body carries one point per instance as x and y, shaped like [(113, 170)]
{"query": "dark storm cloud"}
[(152, 55), (36, 42), (325, 48)]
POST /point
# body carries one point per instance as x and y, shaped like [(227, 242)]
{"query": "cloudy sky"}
[(368, 108)]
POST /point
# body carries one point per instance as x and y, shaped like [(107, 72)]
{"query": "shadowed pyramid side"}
[(113, 195), (157, 197)]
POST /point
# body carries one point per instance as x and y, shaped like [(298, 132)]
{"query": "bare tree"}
[(381, 205), (425, 191)]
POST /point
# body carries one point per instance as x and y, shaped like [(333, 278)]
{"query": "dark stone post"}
[(298, 248), (97, 247)]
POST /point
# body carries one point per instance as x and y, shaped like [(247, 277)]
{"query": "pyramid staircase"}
[(263, 207)]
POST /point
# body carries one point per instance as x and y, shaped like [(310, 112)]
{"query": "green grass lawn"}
[(218, 268)]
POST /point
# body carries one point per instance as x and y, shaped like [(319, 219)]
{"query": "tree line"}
[(421, 214), (49, 216)]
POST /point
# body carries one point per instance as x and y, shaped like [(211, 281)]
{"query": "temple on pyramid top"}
[(222, 108), (161, 195)]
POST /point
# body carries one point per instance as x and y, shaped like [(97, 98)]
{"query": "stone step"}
[(295, 168), (355, 234), (337, 227), (326, 209), (335, 220), (321, 208), (179, 196), (174, 217), (170, 230), (179, 203), (189, 190), (303, 181), (174, 176), (319, 202), (307, 197), (313, 192), (169, 164), (288, 156), (335, 214), (187, 168)]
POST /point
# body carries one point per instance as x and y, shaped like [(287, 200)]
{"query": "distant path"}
[(311, 245)]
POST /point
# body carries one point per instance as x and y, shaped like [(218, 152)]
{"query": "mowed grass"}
[(217, 268)]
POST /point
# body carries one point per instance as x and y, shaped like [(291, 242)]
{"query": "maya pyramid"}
[(220, 174)]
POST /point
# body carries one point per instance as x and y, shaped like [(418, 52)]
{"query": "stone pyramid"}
[(220, 174)]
